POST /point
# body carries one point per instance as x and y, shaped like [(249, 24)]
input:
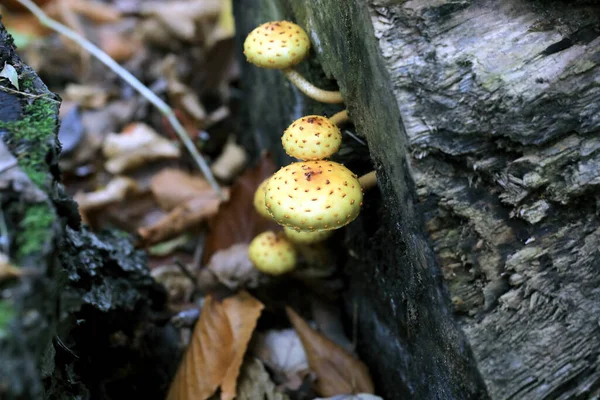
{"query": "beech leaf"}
[(337, 371), (243, 311), (207, 357), (216, 350)]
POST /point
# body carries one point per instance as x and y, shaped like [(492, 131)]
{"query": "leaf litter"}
[(127, 170)]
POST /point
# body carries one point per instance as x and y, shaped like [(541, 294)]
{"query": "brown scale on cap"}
[(278, 45), (311, 138), (272, 253), (314, 196)]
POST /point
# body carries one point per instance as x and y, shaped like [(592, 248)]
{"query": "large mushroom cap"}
[(314, 196), (279, 45), (272, 253), (311, 138)]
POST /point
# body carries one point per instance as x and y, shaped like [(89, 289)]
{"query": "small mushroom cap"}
[(278, 44), (314, 196), (259, 199), (272, 253), (311, 138), (303, 237)]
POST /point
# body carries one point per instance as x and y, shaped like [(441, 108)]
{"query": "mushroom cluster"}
[(314, 196)]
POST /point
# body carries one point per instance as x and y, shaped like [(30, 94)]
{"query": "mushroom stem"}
[(340, 118), (368, 181), (324, 96)]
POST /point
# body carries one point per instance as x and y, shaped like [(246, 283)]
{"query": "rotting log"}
[(80, 320), (479, 276)]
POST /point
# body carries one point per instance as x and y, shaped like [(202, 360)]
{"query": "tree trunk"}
[(482, 121), (78, 320)]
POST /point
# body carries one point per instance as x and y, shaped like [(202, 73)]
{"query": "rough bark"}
[(77, 322), (482, 118)]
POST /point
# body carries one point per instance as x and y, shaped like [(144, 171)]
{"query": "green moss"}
[(6, 315), (38, 128), (35, 230)]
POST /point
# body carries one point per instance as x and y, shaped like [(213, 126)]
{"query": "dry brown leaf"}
[(87, 96), (337, 371), (137, 145), (171, 187), (183, 217), (207, 357), (120, 47), (233, 268), (181, 18), (96, 11), (231, 161), (255, 383), (282, 351), (243, 311), (181, 95), (237, 221), (116, 190), (217, 349)]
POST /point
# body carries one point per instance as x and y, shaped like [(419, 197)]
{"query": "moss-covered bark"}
[(76, 290)]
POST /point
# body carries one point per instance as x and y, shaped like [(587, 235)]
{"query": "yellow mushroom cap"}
[(259, 199), (311, 138), (278, 44), (314, 196), (303, 237), (272, 253)]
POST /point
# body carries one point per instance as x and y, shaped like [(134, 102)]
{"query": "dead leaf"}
[(96, 11), (119, 46), (360, 396), (172, 187), (207, 357), (183, 217), (179, 286), (233, 268), (9, 72), (87, 96), (181, 95), (181, 18), (337, 371), (282, 351), (137, 145), (243, 311), (116, 190), (217, 349), (254, 383), (231, 161), (237, 221)]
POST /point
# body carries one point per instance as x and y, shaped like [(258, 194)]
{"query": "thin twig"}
[(133, 81)]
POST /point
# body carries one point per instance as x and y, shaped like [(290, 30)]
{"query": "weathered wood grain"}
[(500, 101), (482, 118)]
